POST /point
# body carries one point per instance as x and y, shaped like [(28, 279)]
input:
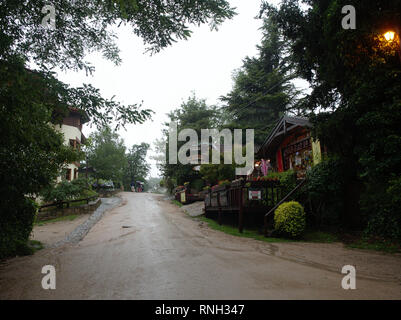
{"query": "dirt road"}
[(148, 249)]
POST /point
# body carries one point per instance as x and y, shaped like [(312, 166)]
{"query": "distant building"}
[(73, 137)]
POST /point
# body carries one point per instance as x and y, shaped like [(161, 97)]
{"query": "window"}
[(68, 175), (73, 143), (75, 173)]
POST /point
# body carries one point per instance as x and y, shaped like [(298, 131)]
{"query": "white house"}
[(73, 136)]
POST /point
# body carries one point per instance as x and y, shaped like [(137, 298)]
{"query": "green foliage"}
[(137, 167), (62, 218), (355, 101), (383, 210), (106, 155), (288, 179), (82, 27), (177, 203), (30, 101), (224, 183), (16, 222), (192, 114), (325, 188), (252, 234), (262, 90), (66, 190), (213, 173), (289, 219)]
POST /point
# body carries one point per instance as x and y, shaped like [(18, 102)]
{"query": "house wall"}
[(73, 133), (310, 155)]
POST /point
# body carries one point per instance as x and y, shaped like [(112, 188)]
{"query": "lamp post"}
[(394, 35)]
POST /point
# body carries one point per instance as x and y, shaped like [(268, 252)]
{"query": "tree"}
[(32, 153), (355, 103), (35, 99), (262, 90), (106, 155), (83, 27), (137, 167), (193, 114)]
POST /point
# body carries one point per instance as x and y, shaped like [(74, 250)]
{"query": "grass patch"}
[(377, 245), (254, 234), (177, 203), (310, 236), (64, 218), (35, 245), (320, 236)]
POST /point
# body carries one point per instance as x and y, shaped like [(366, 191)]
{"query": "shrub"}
[(16, 223), (381, 205), (197, 184), (224, 183), (287, 179), (65, 190), (289, 219), (325, 188)]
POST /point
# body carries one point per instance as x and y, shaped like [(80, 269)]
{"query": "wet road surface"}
[(149, 249)]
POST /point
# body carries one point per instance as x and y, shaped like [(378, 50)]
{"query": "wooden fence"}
[(248, 201), (60, 204)]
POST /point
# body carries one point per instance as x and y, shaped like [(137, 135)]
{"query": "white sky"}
[(203, 64)]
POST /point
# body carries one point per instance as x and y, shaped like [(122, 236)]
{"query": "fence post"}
[(218, 203), (241, 212)]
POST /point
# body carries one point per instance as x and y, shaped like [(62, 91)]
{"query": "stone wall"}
[(57, 212), (107, 193)]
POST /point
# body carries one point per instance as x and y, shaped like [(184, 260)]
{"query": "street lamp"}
[(391, 36)]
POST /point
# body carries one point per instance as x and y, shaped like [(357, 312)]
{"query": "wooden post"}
[(241, 212), (265, 226), (218, 203)]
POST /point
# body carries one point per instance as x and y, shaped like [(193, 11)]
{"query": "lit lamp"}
[(390, 36)]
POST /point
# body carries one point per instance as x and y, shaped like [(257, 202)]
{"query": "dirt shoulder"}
[(51, 232), (325, 256)]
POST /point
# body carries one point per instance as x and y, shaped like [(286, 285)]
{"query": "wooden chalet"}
[(290, 146), (252, 201)]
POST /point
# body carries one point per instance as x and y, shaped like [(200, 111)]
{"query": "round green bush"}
[(289, 219)]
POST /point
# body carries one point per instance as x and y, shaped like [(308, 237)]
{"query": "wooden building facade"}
[(290, 146)]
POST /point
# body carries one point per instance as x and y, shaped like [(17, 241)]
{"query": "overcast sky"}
[(203, 64)]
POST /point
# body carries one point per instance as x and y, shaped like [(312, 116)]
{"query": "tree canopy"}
[(355, 103), (262, 90), (29, 100), (192, 114), (106, 155), (137, 167)]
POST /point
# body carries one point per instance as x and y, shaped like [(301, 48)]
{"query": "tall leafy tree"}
[(355, 102), (106, 155), (192, 114), (137, 167), (262, 89)]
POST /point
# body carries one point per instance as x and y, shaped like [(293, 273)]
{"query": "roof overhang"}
[(283, 128)]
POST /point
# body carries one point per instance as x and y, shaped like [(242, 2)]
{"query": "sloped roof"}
[(283, 126)]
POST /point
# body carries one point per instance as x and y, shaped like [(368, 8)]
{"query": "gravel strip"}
[(81, 231)]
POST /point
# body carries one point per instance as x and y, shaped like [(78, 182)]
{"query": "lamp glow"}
[(389, 36)]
